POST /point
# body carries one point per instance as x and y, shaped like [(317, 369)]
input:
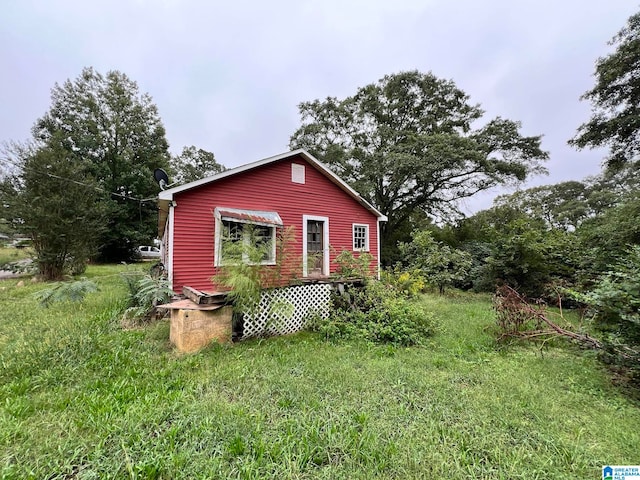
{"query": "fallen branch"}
[(518, 318)]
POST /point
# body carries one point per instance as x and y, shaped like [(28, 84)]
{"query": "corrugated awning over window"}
[(256, 217)]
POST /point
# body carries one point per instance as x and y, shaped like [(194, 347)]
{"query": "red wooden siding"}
[(268, 188)]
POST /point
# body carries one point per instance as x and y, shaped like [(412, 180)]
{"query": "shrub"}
[(440, 264), (409, 283), (614, 302), (377, 313), (246, 277), (145, 294), (350, 266)]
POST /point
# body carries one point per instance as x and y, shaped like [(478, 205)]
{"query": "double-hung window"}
[(360, 237), (246, 236)]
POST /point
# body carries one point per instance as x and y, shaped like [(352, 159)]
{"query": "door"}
[(315, 248)]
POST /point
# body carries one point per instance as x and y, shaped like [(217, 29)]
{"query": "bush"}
[(409, 283), (351, 266), (440, 264), (145, 294), (614, 302), (377, 313)]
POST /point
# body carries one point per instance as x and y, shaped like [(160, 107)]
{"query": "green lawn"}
[(82, 398)]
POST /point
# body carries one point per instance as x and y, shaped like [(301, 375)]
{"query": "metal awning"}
[(257, 217)]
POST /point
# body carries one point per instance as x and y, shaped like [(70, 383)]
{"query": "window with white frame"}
[(245, 236), (360, 237)]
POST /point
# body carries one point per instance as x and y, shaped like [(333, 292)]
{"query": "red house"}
[(292, 191)]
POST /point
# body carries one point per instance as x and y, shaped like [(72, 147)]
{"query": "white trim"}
[(217, 246), (170, 238), (169, 193), (378, 240), (325, 242), (366, 237), (216, 238)]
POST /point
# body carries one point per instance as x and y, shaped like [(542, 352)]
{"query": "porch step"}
[(205, 298)]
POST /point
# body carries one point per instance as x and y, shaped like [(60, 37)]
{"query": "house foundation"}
[(205, 317)]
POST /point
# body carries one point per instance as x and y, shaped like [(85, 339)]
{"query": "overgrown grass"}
[(12, 254), (83, 398)]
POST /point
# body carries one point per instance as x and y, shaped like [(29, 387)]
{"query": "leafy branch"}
[(66, 292), (145, 294)]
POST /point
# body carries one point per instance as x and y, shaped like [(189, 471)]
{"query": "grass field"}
[(12, 254), (82, 398)]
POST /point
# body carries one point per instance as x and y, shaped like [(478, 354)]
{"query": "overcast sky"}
[(228, 76)]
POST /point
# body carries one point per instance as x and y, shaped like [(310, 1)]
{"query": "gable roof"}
[(166, 196)]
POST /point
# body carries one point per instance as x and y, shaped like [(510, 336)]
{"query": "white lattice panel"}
[(286, 310)]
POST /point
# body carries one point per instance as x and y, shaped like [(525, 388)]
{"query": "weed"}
[(83, 398), (145, 294), (376, 313)]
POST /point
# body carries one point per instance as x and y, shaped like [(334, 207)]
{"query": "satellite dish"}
[(161, 177)]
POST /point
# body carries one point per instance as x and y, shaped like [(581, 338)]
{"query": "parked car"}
[(148, 252)]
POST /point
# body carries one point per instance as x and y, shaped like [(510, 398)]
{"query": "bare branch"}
[(517, 318)]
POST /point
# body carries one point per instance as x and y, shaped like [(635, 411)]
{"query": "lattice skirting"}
[(287, 309)]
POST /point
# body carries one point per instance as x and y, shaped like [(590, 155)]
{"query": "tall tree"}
[(56, 202), (616, 99), (606, 237), (107, 122), (561, 205), (406, 143), (193, 164), (567, 205)]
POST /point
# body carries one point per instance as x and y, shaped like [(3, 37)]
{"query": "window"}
[(247, 236), (232, 241), (247, 242), (360, 238)]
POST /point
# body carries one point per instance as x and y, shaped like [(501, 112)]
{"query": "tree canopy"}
[(616, 99), (562, 205), (567, 205), (411, 142), (193, 164), (105, 120), (56, 202)]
